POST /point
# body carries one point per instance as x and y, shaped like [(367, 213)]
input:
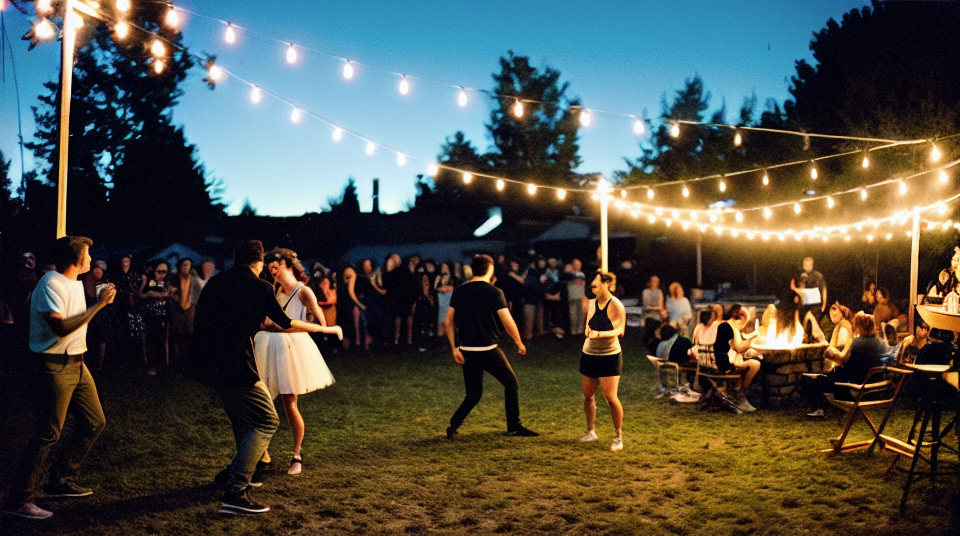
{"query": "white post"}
[(699, 260), (914, 267), (66, 83), (603, 186)]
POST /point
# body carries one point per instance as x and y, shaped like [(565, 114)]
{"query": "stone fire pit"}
[(782, 368)]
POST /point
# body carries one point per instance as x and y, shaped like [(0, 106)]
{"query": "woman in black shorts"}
[(602, 359)]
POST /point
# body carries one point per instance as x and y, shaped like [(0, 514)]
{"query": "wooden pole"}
[(603, 186), (914, 267), (66, 83), (699, 260)]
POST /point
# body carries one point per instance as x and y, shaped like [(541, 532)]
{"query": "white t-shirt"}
[(56, 294)]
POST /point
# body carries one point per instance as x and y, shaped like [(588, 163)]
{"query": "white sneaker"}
[(745, 406), (617, 443), (29, 511), (589, 436), (818, 414)]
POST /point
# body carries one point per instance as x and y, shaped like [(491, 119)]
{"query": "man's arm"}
[(62, 326), (452, 337), (511, 327)]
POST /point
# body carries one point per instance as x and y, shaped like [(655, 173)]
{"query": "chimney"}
[(376, 197)]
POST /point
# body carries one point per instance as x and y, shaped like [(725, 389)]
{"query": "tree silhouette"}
[(348, 202)]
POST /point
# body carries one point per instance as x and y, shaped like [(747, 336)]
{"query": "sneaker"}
[(589, 436), (745, 406), (817, 414), (451, 432), (685, 398), (241, 504), (520, 431), (29, 511), (66, 488), (617, 443)]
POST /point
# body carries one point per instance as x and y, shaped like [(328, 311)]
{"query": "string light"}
[(863, 194), (780, 237), (122, 5), (348, 70), (433, 169), (869, 238), (813, 171), (291, 53), (723, 185), (172, 19), (561, 194), (766, 178), (158, 66), (685, 225), (462, 97), (649, 193), (467, 177), (866, 160), (371, 147), (295, 115), (623, 193), (889, 236), (122, 29), (830, 202), (693, 215), (518, 109), (737, 139), (401, 159), (935, 152), (404, 85), (157, 48), (903, 188), (766, 236), (215, 72), (675, 130), (686, 192), (739, 216), (941, 209), (675, 213), (713, 218), (639, 127), (943, 176), (584, 118), (337, 134), (767, 213), (750, 236), (500, 184), (229, 35), (531, 189)]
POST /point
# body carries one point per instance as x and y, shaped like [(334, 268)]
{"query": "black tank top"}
[(600, 321)]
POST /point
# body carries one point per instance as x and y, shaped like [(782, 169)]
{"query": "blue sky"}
[(617, 56)]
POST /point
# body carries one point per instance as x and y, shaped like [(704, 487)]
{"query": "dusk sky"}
[(617, 56)]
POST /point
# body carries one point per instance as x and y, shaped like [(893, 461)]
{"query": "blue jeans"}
[(254, 422), (64, 385)]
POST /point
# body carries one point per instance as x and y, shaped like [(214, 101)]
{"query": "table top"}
[(937, 317), (936, 369)]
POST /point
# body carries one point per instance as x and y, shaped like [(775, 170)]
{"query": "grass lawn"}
[(377, 461)]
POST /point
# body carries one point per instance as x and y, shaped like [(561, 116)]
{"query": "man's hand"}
[(458, 356), (107, 295), (521, 349)]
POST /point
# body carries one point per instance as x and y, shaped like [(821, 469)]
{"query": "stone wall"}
[(781, 370)]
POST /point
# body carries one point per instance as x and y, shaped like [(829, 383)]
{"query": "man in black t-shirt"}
[(478, 310), (812, 289)]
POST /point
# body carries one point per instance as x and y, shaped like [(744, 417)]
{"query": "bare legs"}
[(750, 369), (608, 385), (297, 428)]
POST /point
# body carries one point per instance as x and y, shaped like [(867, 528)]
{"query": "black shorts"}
[(601, 366)]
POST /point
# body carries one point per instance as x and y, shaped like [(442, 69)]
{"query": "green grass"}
[(377, 462)]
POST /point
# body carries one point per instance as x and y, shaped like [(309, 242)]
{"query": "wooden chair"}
[(879, 388), (707, 368)]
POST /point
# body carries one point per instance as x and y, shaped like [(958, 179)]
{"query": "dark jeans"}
[(64, 385), (494, 362), (813, 390), (254, 422)]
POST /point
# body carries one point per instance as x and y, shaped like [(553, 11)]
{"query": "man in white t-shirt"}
[(58, 332)]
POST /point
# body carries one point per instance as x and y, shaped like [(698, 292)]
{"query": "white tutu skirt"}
[(290, 363)]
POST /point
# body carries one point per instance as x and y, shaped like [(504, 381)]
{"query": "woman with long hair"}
[(288, 360), (601, 360)]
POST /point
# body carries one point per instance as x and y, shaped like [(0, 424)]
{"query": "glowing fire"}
[(771, 338)]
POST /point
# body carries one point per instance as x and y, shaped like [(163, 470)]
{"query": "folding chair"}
[(707, 368), (879, 388)]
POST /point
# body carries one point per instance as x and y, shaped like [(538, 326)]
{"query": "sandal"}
[(296, 466)]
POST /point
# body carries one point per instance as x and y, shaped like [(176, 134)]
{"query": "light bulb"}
[(766, 179), (675, 213), (433, 169), (122, 30), (889, 236), (866, 161), (561, 194), (750, 236), (863, 194), (829, 202), (500, 184), (766, 236), (935, 153), (295, 115), (903, 188), (157, 48), (172, 19), (123, 6), (703, 227), (735, 232), (669, 222), (796, 208), (723, 186), (348, 70), (229, 35), (158, 66), (255, 94), (943, 176), (674, 130), (518, 109), (869, 238), (531, 189), (43, 7), (693, 215), (623, 193), (462, 97), (291, 54), (585, 118), (780, 237), (847, 238), (813, 171), (941, 209), (659, 211), (685, 225), (686, 192), (215, 72), (713, 218), (739, 216), (650, 193), (639, 127), (767, 213), (651, 218), (467, 177), (371, 147), (401, 159), (404, 86), (337, 134), (737, 139)]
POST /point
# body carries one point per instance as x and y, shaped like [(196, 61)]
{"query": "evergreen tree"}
[(348, 202)]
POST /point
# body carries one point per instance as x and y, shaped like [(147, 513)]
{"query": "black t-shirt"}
[(475, 306), (721, 348), (229, 313)]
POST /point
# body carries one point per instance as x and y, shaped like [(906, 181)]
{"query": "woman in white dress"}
[(288, 360)]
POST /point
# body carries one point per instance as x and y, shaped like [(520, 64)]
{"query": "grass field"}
[(377, 461)]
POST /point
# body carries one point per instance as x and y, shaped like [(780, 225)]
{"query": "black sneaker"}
[(520, 431), (241, 504), (451, 432), (66, 488)]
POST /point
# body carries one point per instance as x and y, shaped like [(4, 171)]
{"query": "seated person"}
[(892, 340), (885, 311), (913, 344), (866, 352), (732, 352), (679, 312), (705, 333), (668, 336), (840, 339)]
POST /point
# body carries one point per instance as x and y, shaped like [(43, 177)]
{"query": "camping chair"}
[(707, 368), (672, 370), (879, 388)]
